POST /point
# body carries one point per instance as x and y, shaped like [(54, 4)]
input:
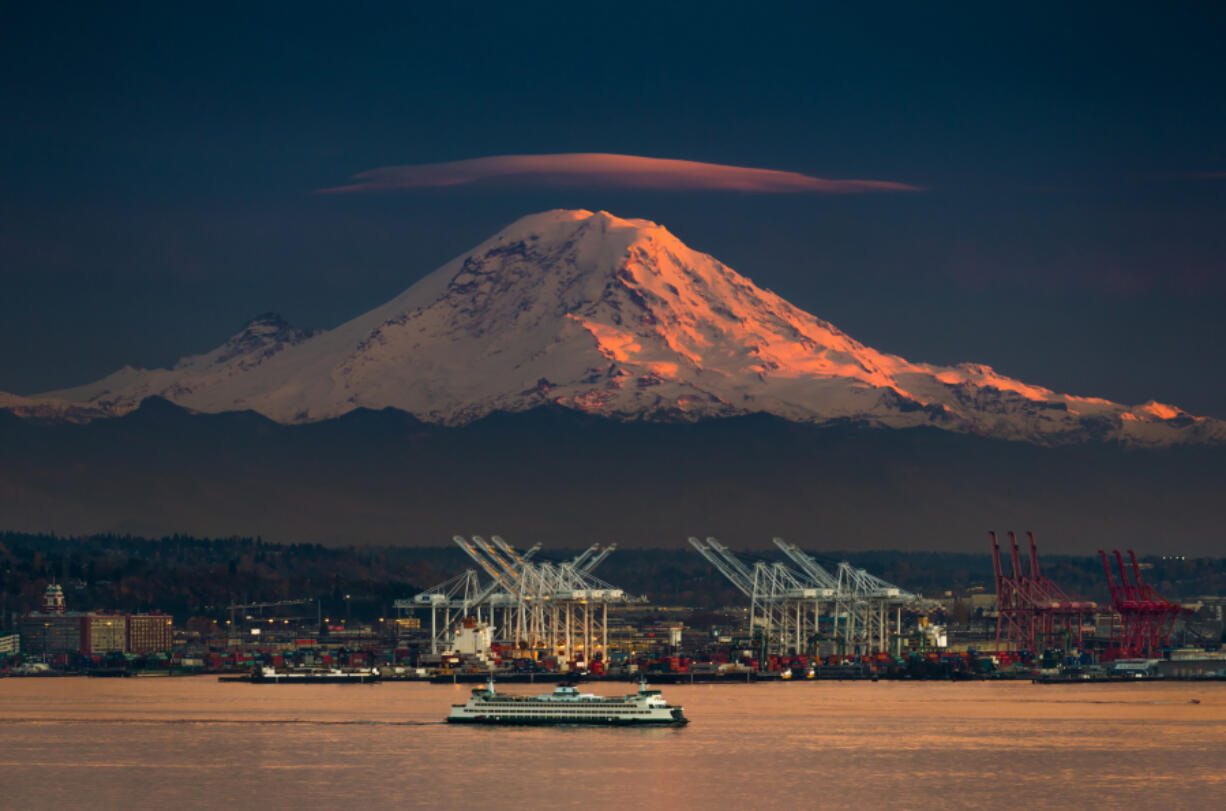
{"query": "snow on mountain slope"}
[(610, 316)]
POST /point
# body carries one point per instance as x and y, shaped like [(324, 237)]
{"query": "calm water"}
[(191, 742)]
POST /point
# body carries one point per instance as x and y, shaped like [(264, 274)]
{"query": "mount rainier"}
[(612, 317)]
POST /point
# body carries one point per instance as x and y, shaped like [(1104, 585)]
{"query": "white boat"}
[(566, 705), (269, 675)]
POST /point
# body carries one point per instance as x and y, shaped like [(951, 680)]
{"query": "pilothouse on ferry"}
[(566, 705)]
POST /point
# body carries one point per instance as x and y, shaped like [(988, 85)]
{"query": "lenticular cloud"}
[(592, 169)]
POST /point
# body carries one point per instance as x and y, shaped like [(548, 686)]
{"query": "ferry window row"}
[(584, 712)]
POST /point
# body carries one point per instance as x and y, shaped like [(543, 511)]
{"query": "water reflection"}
[(136, 742)]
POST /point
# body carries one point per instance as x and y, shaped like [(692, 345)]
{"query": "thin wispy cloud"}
[(600, 170)]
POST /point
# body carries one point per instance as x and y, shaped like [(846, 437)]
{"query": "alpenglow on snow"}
[(615, 317)]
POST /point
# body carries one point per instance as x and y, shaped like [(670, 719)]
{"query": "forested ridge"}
[(187, 576)]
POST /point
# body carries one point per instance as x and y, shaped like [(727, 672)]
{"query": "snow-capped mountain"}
[(610, 316)]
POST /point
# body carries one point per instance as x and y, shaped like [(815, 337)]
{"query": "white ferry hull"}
[(680, 720), (567, 707)]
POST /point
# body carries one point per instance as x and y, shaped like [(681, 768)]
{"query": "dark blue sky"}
[(157, 167)]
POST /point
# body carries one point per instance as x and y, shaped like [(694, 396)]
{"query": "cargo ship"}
[(566, 705)]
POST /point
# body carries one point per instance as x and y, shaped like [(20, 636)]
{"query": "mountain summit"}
[(614, 317)]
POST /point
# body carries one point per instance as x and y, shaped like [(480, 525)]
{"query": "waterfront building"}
[(96, 633), (73, 633), (149, 633), (104, 633), (50, 633)]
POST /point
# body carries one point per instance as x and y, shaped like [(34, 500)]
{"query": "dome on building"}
[(53, 600)]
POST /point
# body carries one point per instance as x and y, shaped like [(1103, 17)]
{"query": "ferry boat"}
[(566, 705)]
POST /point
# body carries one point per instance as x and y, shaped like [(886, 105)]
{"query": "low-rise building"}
[(95, 633), (150, 633), (50, 633), (104, 633)]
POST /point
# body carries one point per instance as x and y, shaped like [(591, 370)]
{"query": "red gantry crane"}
[(1146, 618), (1031, 608)]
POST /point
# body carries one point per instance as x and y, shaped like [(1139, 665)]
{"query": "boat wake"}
[(225, 721)]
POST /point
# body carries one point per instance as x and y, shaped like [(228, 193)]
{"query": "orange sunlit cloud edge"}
[(593, 169)]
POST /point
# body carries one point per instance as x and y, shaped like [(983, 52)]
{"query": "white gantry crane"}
[(533, 605), (786, 604), (863, 602), (867, 602)]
